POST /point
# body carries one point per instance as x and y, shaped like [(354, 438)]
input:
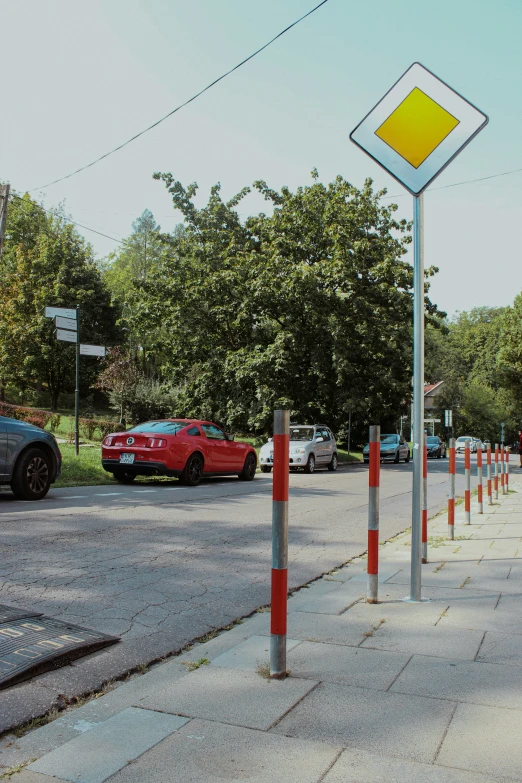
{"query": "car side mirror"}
[(229, 436), (319, 439), (270, 440)]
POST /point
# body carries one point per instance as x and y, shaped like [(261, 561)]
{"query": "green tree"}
[(47, 263)]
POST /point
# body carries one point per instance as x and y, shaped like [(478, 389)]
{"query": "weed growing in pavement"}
[(263, 609), (441, 565), (14, 770), (457, 548), (465, 582), (263, 669), (209, 636), (193, 665)]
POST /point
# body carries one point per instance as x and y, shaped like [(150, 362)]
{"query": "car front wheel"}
[(249, 468), (310, 465), (407, 457), (32, 475), (397, 456), (266, 469)]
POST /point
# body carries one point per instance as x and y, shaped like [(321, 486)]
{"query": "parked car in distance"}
[(436, 447), (186, 448), (483, 446), (311, 446), (393, 447), (30, 460), (460, 443)]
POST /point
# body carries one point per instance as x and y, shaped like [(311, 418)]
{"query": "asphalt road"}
[(161, 564)]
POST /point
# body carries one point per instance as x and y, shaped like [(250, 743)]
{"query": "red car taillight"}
[(156, 443), (107, 441)]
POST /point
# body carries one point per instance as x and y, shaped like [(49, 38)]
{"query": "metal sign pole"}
[(418, 395), (77, 390)]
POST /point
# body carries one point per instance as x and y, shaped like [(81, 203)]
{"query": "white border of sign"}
[(471, 121)]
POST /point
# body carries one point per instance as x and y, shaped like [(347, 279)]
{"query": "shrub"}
[(31, 415), (88, 427), (54, 421)]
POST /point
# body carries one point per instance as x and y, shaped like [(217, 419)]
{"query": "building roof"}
[(429, 388)]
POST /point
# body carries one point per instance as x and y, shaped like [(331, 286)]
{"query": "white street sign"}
[(52, 312), (417, 128), (65, 323), (66, 336), (92, 350)]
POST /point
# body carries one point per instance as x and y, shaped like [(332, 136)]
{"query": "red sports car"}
[(186, 448)]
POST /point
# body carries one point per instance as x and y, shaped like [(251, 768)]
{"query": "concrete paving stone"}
[(346, 665), (465, 681), (359, 766), (425, 640), (203, 751), (500, 648), (338, 600), (304, 595), (33, 777), (442, 578), (228, 695), (250, 653), (405, 726), (330, 629), (486, 740), (384, 574), (24, 702), (103, 750), (398, 611)]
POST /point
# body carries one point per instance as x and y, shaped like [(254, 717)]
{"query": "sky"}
[(82, 77)]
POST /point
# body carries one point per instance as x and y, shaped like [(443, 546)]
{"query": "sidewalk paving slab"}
[(359, 766), (228, 696), (97, 754), (399, 725), (501, 649), (207, 752), (250, 654), (466, 681), (427, 640), (484, 739)]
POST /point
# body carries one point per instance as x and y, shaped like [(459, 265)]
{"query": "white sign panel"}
[(92, 350), (65, 323), (417, 128), (52, 312), (65, 336)]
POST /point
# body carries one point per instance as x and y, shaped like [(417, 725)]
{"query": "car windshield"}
[(301, 433), (163, 427), (463, 438), (389, 438), (433, 440)]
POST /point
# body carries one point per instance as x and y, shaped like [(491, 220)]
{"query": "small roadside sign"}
[(448, 418), (92, 350), (66, 312), (65, 323), (66, 336), (417, 128)]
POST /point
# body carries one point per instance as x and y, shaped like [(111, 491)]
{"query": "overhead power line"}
[(182, 105), (464, 182)]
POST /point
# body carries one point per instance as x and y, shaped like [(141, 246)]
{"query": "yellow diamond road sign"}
[(419, 126)]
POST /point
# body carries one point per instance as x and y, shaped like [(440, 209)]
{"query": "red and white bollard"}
[(479, 476), (372, 593), (279, 596), (490, 490), (507, 470), (496, 470), (502, 469), (467, 489), (425, 502), (452, 467)]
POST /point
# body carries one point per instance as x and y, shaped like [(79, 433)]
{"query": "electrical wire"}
[(464, 182), (182, 105)]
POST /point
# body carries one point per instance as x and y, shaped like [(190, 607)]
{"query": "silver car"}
[(460, 444), (311, 446), (30, 460), (393, 447)]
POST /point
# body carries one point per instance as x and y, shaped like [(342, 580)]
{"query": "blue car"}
[(30, 460)]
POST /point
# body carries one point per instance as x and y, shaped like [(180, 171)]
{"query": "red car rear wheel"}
[(193, 470)]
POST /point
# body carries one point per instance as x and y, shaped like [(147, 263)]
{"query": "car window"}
[(304, 434), (433, 440), (325, 435), (193, 431), (389, 438), (212, 432), (164, 427)]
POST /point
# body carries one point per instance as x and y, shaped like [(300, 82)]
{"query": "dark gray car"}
[(30, 460), (393, 447)]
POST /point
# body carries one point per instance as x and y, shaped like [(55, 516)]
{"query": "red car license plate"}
[(127, 459)]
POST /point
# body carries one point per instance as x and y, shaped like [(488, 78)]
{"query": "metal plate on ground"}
[(32, 645), (10, 613)]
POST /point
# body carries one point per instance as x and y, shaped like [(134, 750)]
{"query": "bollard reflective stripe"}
[(507, 470), (425, 502), (488, 460), (479, 477), (496, 471), (452, 467), (502, 470), (467, 490), (279, 582), (372, 594)]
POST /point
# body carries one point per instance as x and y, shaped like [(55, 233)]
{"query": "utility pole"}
[(77, 390), (4, 198)]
